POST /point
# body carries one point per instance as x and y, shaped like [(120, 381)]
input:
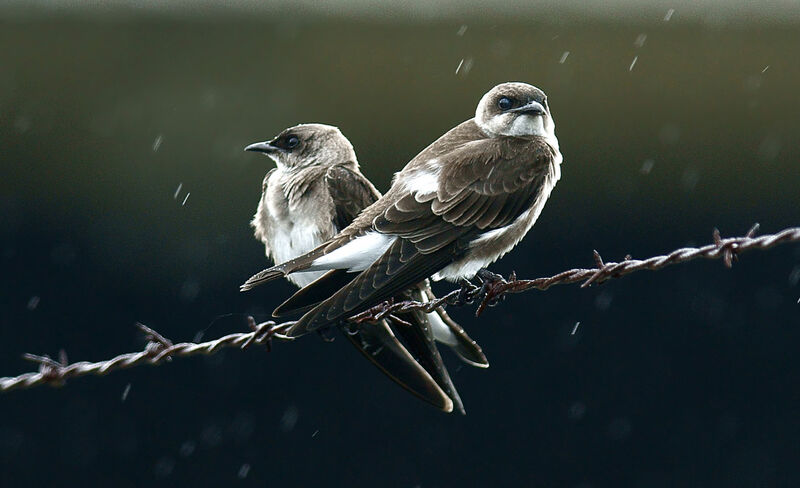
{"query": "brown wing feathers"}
[(351, 193), (436, 231), (385, 278), (476, 194)]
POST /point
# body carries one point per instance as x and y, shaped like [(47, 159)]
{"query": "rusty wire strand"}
[(160, 349)]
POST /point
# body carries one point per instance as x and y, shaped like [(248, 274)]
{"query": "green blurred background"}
[(673, 117)]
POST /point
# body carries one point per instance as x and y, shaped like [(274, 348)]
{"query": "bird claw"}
[(326, 334), (492, 290), (351, 329), (465, 294), (487, 276)]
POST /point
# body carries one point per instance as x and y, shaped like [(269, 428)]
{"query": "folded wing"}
[(483, 185)]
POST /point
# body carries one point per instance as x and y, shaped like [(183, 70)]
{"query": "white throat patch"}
[(526, 125), (507, 124)]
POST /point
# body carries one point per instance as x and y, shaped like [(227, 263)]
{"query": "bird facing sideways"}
[(459, 205), (315, 191)]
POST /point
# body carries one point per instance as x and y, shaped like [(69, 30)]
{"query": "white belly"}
[(289, 240), (510, 235)]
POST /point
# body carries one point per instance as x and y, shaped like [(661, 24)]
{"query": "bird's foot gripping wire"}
[(466, 294), (492, 290)]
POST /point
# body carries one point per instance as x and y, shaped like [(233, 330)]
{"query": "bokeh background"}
[(125, 196)]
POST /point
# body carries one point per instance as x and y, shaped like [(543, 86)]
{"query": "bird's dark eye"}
[(292, 142), (505, 103)]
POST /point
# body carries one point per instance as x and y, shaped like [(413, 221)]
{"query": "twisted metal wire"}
[(159, 349)]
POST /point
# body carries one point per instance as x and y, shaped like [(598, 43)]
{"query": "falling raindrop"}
[(769, 149), (467, 66), (187, 448), (690, 178), (242, 426), (794, 276), (619, 428), (563, 57), (577, 410), (190, 289), (33, 303), (603, 300), (211, 436), (157, 142), (164, 467), (289, 419)]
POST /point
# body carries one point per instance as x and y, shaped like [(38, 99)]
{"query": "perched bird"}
[(459, 205), (315, 191)]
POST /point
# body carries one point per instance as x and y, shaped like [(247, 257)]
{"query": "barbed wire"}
[(488, 293)]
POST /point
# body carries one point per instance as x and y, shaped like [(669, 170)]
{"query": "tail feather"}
[(420, 342), (307, 297), (262, 277), (465, 347), (299, 263), (372, 286), (378, 344), (470, 352), (448, 331)]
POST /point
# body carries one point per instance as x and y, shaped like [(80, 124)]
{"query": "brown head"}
[(307, 145)]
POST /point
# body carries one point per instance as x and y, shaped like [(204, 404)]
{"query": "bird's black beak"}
[(531, 108), (263, 147)]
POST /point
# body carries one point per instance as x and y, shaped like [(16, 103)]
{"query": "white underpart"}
[(441, 332), (289, 241), (510, 124), (277, 158), (467, 267), (424, 182), (526, 125), (514, 124), (294, 234), (356, 255), (304, 279)]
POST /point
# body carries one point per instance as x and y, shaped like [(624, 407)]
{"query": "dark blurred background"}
[(125, 196)]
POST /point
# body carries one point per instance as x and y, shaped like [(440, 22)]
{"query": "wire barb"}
[(158, 347)]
